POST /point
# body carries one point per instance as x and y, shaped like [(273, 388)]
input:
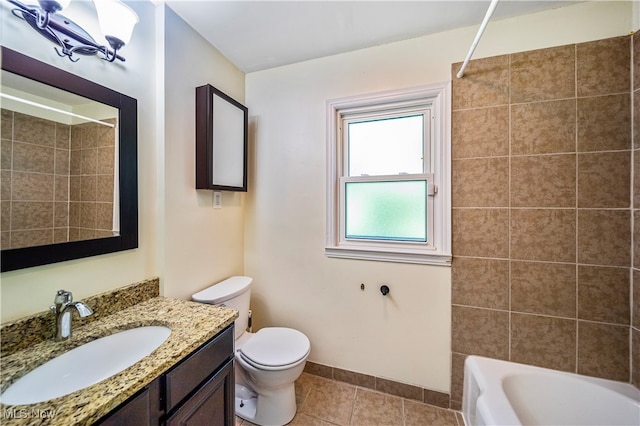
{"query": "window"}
[(388, 176)]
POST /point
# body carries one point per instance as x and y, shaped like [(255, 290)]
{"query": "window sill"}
[(387, 256)]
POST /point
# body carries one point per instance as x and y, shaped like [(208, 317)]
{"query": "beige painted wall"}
[(182, 239), (201, 245), (405, 337)]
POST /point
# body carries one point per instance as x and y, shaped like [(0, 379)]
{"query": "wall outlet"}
[(217, 200)]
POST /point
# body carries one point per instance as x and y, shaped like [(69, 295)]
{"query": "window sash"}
[(343, 240), (349, 117)]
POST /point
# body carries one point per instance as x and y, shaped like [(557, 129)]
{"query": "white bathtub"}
[(505, 393)]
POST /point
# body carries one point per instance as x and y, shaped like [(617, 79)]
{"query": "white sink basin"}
[(85, 365)]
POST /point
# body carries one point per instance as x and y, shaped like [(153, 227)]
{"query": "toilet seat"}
[(275, 348)]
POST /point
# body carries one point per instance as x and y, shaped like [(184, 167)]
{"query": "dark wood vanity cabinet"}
[(198, 391)]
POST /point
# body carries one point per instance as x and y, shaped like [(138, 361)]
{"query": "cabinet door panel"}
[(197, 367), (142, 409), (211, 405)]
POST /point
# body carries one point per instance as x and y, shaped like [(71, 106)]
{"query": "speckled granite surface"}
[(191, 325), (34, 329)]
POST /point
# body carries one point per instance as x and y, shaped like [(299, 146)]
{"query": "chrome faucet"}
[(63, 304)]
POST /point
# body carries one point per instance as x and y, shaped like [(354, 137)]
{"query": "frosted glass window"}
[(388, 146), (394, 210)]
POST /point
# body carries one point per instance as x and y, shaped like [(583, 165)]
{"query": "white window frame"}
[(437, 250)]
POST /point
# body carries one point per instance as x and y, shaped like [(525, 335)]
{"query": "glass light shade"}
[(116, 19), (53, 6)]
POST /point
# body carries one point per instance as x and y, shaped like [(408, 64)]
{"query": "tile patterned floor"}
[(324, 402)]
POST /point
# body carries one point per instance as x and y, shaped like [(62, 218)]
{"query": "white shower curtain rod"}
[(492, 7)]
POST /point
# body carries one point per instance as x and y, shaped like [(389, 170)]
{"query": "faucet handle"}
[(63, 297)]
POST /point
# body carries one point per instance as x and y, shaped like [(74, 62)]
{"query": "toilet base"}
[(275, 409)]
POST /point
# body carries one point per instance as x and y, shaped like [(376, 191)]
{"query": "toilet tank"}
[(234, 293)]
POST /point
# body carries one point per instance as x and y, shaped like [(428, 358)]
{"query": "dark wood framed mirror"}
[(88, 200)]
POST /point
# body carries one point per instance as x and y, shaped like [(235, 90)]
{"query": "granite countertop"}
[(192, 324)]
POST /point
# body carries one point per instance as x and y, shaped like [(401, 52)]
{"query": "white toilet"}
[(267, 362)]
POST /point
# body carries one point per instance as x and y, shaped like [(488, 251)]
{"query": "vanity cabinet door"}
[(212, 404), (142, 409)]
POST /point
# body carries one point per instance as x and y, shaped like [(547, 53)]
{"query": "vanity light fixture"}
[(116, 22)]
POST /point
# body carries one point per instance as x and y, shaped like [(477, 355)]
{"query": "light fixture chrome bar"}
[(485, 21), (50, 108)]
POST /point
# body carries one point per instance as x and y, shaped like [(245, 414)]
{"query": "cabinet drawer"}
[(192, 371)]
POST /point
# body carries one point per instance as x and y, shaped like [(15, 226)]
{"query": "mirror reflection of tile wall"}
[(56, 181)]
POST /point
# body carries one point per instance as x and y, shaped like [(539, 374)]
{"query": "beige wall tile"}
[(5, 185), (636, 60), (33, 158), (32, 187), (604, 123), (89, 135), (358, 379), (88, 188), (482, 182), (106, 136), (603, 350), (543, 234), (636, 119), (543, 127), (61, 215), (478, 331), (482, 132), (61, 188), (62, 160), (31, 215), (86, 234), (543, 181), (636, 179), (543, 74), (603, 66), (74, 215), (480, 232), (5, 216), (543, 288), (604, 179), (603, 294), (61, 235), (399, 389), (635, 360), (604, 237), (63, 136), (6, 153), (5, 240), (89, 161), (485, 83), (104, 216), (36, 237), (635, 311), (480, 282), (105, 160), (457, 375), (543, 341), (6, 124), (88, 216), (636, 239), (34, 130), (104, 188)]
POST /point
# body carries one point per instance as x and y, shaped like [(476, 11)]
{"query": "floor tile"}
[(417, 414), (376, 409), (329, 400)]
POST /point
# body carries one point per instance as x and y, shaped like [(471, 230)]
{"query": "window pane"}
[(386, 147), (386, 210)]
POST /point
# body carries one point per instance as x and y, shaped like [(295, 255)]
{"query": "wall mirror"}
[(221, 141), (68, 178)]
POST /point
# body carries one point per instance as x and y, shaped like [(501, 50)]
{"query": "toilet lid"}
[(275, 346)]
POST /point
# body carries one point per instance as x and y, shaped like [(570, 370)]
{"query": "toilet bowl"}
[(267, 363)]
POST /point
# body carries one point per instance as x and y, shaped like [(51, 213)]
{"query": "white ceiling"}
[(256, 35)]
